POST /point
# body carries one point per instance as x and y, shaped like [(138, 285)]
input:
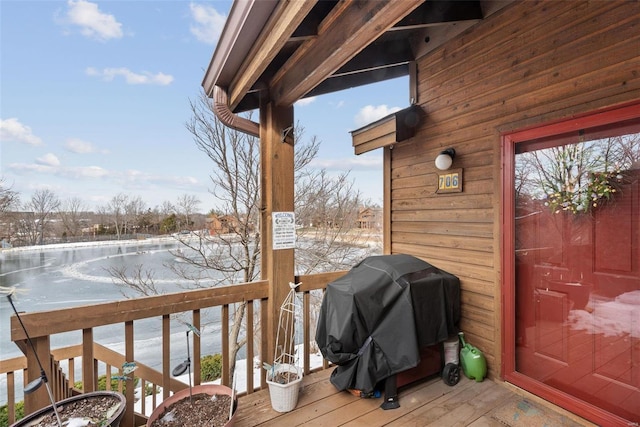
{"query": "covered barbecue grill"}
[(375, 320)]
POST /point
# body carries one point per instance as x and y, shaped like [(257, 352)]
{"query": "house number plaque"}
[(450, 181)]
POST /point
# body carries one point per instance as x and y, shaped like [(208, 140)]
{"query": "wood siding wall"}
[(530, 63)]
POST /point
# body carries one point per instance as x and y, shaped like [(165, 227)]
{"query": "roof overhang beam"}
[(240, 31), (284, 20), (348, 29)]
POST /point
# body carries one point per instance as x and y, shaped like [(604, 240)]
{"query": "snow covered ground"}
[(58, 246), (619, 316)]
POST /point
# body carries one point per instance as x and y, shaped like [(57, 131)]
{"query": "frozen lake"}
[(54, 277), (61, 276)]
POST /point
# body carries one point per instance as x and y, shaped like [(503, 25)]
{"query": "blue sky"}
[(94, 96)]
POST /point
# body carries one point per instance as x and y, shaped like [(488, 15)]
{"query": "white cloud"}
[(208, 23), (371, 113), (139, 179), (128, 179), (12, 130), (76, 145), (145, 78), (87, 172), (305, 101), (49, 164), (92, 22), (362, 162), (29, 167), (48, 159)]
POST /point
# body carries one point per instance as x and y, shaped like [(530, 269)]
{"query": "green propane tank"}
[(473, 361)]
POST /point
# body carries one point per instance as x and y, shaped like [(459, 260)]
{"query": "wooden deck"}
[(423, 403)]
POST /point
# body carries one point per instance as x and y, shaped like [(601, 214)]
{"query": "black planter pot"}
[(113, 420)]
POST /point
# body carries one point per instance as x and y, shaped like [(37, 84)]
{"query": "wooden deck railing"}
[(94, 357)]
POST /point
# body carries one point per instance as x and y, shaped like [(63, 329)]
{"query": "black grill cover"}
[(374, 319)]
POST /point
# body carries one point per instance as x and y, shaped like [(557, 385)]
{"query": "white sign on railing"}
[(284, 230)]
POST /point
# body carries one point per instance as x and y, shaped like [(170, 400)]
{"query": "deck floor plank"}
[(461, 407), (423, 403), (411, 398)]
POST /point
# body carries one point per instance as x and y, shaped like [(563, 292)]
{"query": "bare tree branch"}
[(231, 253)]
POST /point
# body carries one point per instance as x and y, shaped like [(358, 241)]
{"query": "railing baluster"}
[(59, 379), (96, 366), (72, 374), (264, 319), (225, 344), (88, 378), (67, 389), (143, 396), (306, 334), (166, 355), (25, 379), (129, 417), (249, 334), (11, 398), (122, 384), (154, 390), (325, 362), (197, 350), (108, 374), (53, 379)]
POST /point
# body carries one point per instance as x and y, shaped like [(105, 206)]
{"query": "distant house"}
[(370, 218), (223, 224)]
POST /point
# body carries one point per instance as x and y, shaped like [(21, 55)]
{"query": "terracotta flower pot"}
[(112, 420), (210, 389)]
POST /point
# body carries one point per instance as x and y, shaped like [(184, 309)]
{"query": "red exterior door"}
[(574, 286)]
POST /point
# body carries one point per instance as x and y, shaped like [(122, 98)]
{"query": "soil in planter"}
[(203, 410), (284, 377), (97, 409)]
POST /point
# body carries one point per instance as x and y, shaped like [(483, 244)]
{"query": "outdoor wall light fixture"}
[(445, 159)]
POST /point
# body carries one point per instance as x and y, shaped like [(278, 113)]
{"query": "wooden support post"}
[(39, 398), (276, 164), (89, 379)]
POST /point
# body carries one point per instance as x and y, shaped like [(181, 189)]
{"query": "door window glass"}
[(577, 264)]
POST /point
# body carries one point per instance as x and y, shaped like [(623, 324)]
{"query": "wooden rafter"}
[(279, 28), (347, 30)]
